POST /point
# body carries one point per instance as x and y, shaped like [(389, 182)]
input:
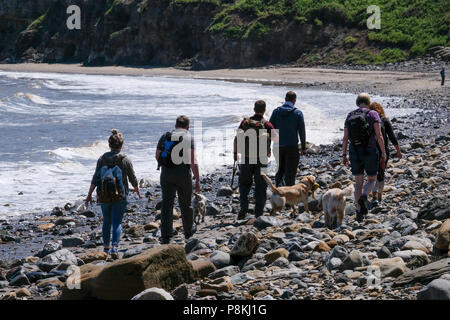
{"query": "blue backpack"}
[(110, 186), (165, 158)]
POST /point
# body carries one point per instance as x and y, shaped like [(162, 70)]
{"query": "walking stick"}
[(232, 177)]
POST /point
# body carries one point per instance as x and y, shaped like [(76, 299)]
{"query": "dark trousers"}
[(443, 80), (381, 172), (247, 174), (178, 181), (287, 159)]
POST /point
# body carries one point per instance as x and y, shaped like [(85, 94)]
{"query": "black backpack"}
[(165, 158), (359, 128), (255, 125)]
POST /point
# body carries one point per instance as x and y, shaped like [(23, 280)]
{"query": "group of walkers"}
[(366, 135)]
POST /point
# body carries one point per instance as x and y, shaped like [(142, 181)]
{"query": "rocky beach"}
[(399, 251)]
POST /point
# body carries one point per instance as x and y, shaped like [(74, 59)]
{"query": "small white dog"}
[(199, 204), (333, 204)]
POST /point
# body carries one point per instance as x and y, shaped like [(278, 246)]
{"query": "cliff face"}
[(147, 32)]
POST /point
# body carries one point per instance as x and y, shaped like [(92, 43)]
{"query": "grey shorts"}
[(364, 159)]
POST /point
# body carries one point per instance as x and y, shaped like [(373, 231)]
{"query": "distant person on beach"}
[(175, 154), (442, 76), (291, 125), (388, 134), (111, 180), (363, 128), (253, 160)]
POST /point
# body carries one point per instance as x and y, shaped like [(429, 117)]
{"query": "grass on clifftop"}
[(408, 27)]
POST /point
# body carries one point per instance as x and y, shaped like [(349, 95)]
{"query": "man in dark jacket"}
[(291, 125)]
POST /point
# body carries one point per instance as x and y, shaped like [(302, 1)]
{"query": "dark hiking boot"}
[(359, 216), (364, 204), (241, 215), (193, 231)]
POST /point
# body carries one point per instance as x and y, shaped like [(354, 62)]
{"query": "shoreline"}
[(389, 83)]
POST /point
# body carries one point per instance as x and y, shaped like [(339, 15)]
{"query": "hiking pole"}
[(233, 175)]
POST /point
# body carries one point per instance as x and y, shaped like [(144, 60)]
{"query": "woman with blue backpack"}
[(111, 180)]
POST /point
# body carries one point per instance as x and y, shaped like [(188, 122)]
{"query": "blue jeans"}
[(112, 216)]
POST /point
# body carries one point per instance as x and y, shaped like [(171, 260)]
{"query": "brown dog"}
[(292, 195), (333, 204)]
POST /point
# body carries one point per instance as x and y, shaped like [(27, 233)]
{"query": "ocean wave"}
[(33, 98), (92, 151)]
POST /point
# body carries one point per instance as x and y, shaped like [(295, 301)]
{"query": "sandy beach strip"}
[(391, 82)]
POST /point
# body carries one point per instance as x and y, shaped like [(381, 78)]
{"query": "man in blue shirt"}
[(442, 76), (291, 126)]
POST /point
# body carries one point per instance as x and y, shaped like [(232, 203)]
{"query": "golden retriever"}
[(333, 205), (292, 195)]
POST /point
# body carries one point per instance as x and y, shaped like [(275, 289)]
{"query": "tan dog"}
[(292, 195), (333, 204)]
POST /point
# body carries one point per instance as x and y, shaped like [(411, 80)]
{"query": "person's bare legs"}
[(359, 182)]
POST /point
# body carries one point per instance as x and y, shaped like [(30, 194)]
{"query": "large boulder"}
[(390, 267), (245, 245), (163, 267), (438, 289), (435, 209), (443, 236), (425, 274)]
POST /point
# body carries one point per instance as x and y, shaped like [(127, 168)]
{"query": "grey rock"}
[(438, 289), (435, 209), (240, 278), (296, 256), (353, 260), (339, 252), (227, 271), (52, 260), (334, 263), (153, 294), (48, 248), (180, 293), (383, 252), (134, 251), (212, 210), (75, 241), (220, 259), (263, 222), (224, 192), (281, 262)]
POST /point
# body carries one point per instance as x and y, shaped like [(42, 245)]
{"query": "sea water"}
[(54, 127)]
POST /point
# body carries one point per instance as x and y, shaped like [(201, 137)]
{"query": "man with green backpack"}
[(252, 142)]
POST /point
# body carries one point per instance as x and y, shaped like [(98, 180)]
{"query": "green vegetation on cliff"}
[(408, 27)]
